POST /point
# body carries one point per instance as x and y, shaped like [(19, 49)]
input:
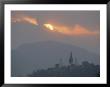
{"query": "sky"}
[(79, 28)]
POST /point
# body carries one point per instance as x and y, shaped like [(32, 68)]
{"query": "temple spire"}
[(71, 59)]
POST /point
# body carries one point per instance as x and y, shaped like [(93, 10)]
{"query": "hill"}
[(42, 55)]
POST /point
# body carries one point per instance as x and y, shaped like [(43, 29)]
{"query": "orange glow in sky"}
[(76, 29), (30, 20), (49, 26), (25, 19)]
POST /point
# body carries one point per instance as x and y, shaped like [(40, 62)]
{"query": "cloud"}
[(24, 18), (76, 30)]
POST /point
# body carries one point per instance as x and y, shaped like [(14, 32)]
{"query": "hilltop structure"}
[(71, 59), (86, 69)]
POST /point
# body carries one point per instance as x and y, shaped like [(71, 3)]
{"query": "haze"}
[(73, 28)]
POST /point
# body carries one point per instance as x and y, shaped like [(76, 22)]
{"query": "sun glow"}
[(75, 30), (49, 26)]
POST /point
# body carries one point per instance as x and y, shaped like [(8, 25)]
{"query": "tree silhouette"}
[(98, 74)]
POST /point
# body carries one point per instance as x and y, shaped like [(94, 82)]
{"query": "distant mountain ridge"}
[(46, 54)]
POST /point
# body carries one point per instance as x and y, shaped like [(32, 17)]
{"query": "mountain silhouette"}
[(45, 54)]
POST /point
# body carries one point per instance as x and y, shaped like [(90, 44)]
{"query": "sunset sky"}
[(79, 28)]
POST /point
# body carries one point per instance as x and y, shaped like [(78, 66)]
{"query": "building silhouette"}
[(86, 69)]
